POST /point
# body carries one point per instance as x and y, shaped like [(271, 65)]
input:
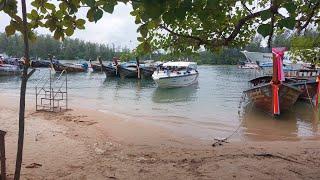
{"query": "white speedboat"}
[(176, 74)]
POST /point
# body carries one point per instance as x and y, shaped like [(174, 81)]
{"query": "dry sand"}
[(86, 144)]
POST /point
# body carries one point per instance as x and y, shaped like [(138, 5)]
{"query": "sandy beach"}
[(87, 144)]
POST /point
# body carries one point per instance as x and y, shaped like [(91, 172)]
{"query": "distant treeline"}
[(71, 49)]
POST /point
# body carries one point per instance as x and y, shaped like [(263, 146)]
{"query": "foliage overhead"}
[(175, 25)]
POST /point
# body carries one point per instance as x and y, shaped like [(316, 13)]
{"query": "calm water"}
[(210, 109)]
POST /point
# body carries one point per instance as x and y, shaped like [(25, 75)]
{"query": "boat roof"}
[(179, 63)]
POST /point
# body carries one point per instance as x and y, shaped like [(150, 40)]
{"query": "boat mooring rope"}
[(219, 142), (310, 99)]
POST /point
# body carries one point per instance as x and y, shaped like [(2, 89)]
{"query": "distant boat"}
[(264, 60), (70, 67), (128, 70), (248, 65), (176, 74), (273, 95), (110, 69), (42, 63), (147, 68), (8, 69)]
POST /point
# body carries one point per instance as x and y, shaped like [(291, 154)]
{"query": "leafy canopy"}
[(175, 25)]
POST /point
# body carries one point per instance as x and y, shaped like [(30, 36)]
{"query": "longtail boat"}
[(129, 70), (111, 70), (308, 87), (276, 94), (41, 63), (69, 67)]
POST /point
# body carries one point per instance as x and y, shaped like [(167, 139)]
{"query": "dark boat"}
[(96, 67), (272, 94), (40, 64), (128, 70), (69, 67), (111, 70), (147, 71)]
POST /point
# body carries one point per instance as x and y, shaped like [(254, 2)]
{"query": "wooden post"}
[(138, 68), (2, 155)]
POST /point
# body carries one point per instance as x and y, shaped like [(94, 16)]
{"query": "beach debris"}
[(34, 165), (99, 151), (219, 142), (146, 160)]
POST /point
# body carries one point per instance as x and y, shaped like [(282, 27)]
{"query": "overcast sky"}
[(118, 28)]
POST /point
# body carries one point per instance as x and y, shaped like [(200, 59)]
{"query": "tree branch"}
[(307, 18), (200, 40)]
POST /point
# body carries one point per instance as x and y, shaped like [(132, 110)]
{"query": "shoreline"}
[(86, 144)]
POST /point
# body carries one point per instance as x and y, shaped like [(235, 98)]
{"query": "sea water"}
[(212, 108)]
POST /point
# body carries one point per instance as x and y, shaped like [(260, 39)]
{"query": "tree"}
[(173, 25)]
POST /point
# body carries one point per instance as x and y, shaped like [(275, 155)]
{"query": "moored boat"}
[(41, 63), (111, 70), (273, 95), (128, 70), (176, 74), (248, 65), (8, 69), (308, 87), (70, 67)]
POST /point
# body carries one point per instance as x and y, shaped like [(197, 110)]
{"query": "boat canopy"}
[(180, 64)]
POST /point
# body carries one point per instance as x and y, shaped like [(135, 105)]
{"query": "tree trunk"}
[(23, 90)]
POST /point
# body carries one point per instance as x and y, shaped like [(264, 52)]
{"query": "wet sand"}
[(86, 144)]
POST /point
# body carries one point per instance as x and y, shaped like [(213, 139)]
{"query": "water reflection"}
[(299, 122), (183, 94)]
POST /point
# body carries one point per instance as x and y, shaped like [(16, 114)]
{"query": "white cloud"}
[(117, 28)]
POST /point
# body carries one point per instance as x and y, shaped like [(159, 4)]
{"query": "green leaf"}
[(143, 29), (264, 29), (63, 6), (35, 4), (98, 15), (265, 15), (289, 23), (290, 6), (80, 22), (90, 15), (140, 39), (90, 3), (10, 30), (168, 17), (50, 6), (69, 31), (109, 7)]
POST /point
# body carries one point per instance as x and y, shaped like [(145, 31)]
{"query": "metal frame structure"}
[(52, 95)]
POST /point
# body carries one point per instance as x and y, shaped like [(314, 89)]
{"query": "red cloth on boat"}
[(279, 53)]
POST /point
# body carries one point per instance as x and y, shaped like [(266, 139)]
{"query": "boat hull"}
[(128, 73), (8, 70), (261, 97), (147, 72), (177, 81), (69, 69), (308, 88)]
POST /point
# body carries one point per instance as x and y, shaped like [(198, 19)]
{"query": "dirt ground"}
[(86, 144)]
